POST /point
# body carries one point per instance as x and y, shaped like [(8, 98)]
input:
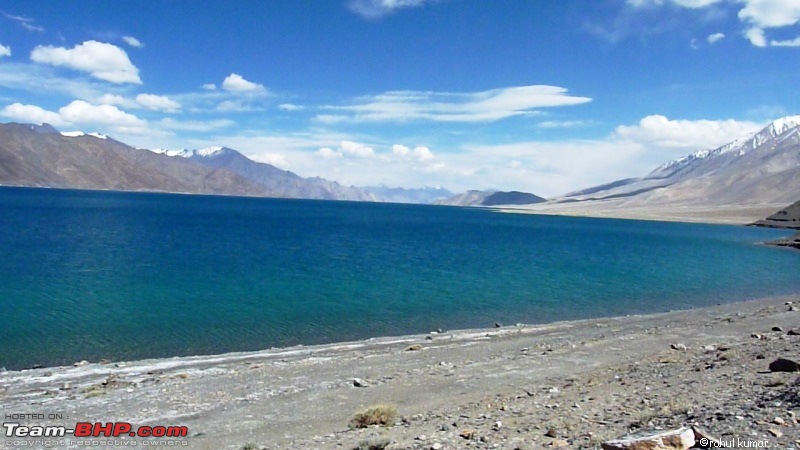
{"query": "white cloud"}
[(789, 43), (375, 9), (756, 37), (329, 153), (80, 113), (274, 159), (31, 114), (236, 83), (770, 13), (4, 51), (660, 131), (418, 153), (716, 37), (210, 87), (354, 149), (485, 106), (290, 107), (84, 113), (112, 99), (101, 60), (132, 41), (758, 16), (158, 103)]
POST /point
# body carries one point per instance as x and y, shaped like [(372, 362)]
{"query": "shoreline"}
[(303, 397), (615, 209)]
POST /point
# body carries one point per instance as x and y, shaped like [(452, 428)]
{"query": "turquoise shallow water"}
[(91, 275)]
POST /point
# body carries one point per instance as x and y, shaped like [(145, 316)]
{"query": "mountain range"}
[(754, 176), (280, 183), (41, 156), (763, 168)]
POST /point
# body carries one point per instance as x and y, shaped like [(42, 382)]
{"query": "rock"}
[(81, 363), (436, 446), (358, 382), (710, 348), (559, 443), (777, 328), (414, 348), (779, 421), (793, 332), (775, 432), (704, 439), (679, 347), (497, 325), (784, 365), (680, 439), (792, 308), (467, 434), (551, 433)]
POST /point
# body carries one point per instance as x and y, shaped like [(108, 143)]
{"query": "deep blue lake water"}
[(91, 275)]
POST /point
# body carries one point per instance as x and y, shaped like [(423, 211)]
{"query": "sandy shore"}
[(570, 383), (615, 208)]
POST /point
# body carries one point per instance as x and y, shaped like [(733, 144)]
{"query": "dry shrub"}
[(374, 415)]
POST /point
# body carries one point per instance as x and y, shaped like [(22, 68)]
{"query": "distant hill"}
[(763, 168), (425, 195), (41, 156), (492, 198), (788, 217), (282, 183), (512, 198)]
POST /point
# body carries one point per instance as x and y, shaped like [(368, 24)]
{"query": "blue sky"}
[(541, 96)]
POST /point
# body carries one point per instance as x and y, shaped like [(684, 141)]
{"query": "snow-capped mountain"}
[(282, 183), (40, 155), (763, 168), (81, 133)]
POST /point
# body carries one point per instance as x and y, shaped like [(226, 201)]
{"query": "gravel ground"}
[(569, 384)]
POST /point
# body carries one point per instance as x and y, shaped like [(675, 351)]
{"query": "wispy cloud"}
[(38, 79), (375, 9), (485, 106), (4, 51), (714, 38), (132, 41), (25, 22)]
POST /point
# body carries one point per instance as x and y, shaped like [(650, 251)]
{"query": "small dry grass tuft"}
[(374, 415)]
